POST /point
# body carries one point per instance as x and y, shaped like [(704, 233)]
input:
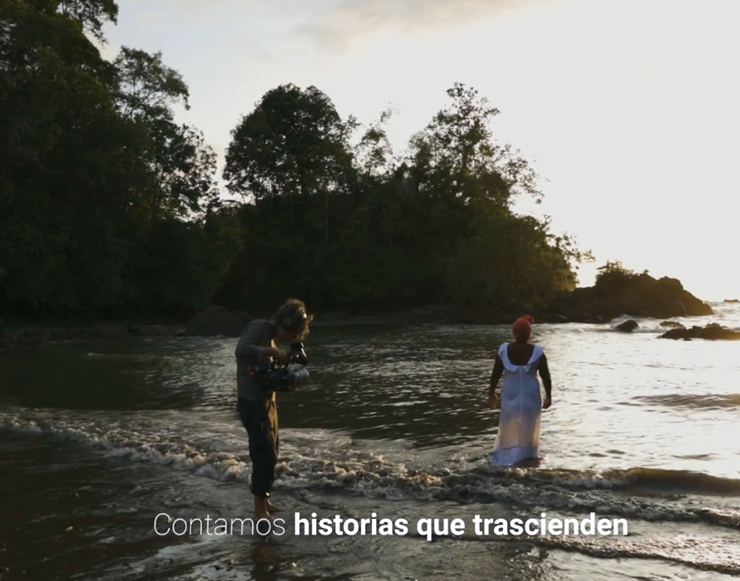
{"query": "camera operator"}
[(256, 404)]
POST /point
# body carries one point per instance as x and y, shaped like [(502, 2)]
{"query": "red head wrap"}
[(522, 327)]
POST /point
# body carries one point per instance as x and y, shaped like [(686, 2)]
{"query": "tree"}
[(147, 87), (293, 143), (183, 167), (97, 181), (65, 169), (181, 264), (433, 225), (458, 152), (374, 153), (90, 15), (296, 146), (510, 261), (612, 277)]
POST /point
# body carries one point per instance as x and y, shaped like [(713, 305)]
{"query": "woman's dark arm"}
[(498, 371), (545, 375)]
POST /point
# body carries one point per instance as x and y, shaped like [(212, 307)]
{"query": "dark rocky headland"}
[(640, 295), (637, 296)]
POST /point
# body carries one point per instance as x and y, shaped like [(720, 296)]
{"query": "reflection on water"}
[(619, 400), (100, 436)]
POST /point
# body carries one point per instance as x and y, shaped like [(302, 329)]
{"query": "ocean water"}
[(97, 439)]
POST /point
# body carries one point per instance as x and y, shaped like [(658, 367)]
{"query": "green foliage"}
[(509, 262), (619, 291), (147, 87), (182, 166), (90, 15), (93, 170), (294, 142), (434, 224), (182, 263), (374, 153), (106, 203), (612, 277)]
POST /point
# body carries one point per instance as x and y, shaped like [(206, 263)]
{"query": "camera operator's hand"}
[(278, 354)]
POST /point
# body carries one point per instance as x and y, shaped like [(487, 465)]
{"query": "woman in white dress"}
[(521, 402)]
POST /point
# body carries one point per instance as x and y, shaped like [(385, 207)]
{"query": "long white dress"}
[(521, 406)]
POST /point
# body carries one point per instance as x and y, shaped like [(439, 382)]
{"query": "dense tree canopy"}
[(353, 226), (93, 169), (108, 205)]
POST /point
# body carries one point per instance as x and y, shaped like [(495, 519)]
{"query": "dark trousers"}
[(261, 422)]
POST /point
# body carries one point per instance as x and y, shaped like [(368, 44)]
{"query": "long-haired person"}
[(256, 404)]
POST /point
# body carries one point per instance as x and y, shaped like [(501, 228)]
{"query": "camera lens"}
[(299, 377)]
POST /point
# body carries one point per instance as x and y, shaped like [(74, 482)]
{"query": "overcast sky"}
[(629, 108)]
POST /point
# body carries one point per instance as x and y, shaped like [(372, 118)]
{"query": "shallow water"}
[(96, 439)]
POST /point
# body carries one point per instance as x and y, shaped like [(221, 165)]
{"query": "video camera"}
[(288, 376)]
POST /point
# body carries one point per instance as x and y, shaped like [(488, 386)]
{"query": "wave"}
[(675, 481), (650, 327), (328, 461), (725, 314), (638, 479), (693, 401), (643, 331), (723, 557)]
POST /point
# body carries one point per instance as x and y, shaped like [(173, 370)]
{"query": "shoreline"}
[(637, 296), (18, 333)]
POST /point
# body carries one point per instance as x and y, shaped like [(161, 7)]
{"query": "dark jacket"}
[(250, 350)]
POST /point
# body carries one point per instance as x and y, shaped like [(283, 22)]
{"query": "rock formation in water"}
[(713, 332), (672, 325), (627, 326), (638, 295)]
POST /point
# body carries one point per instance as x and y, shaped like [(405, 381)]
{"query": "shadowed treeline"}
[(105, 202), (107, 206)]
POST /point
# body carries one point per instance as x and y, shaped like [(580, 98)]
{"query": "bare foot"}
[(273, 507), (261, 508)]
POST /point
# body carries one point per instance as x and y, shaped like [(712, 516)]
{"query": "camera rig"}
[(287, 376)]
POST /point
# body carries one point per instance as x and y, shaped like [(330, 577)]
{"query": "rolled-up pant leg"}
[(261, 422)]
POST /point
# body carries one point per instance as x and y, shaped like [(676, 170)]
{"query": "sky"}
[(628, 109)]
